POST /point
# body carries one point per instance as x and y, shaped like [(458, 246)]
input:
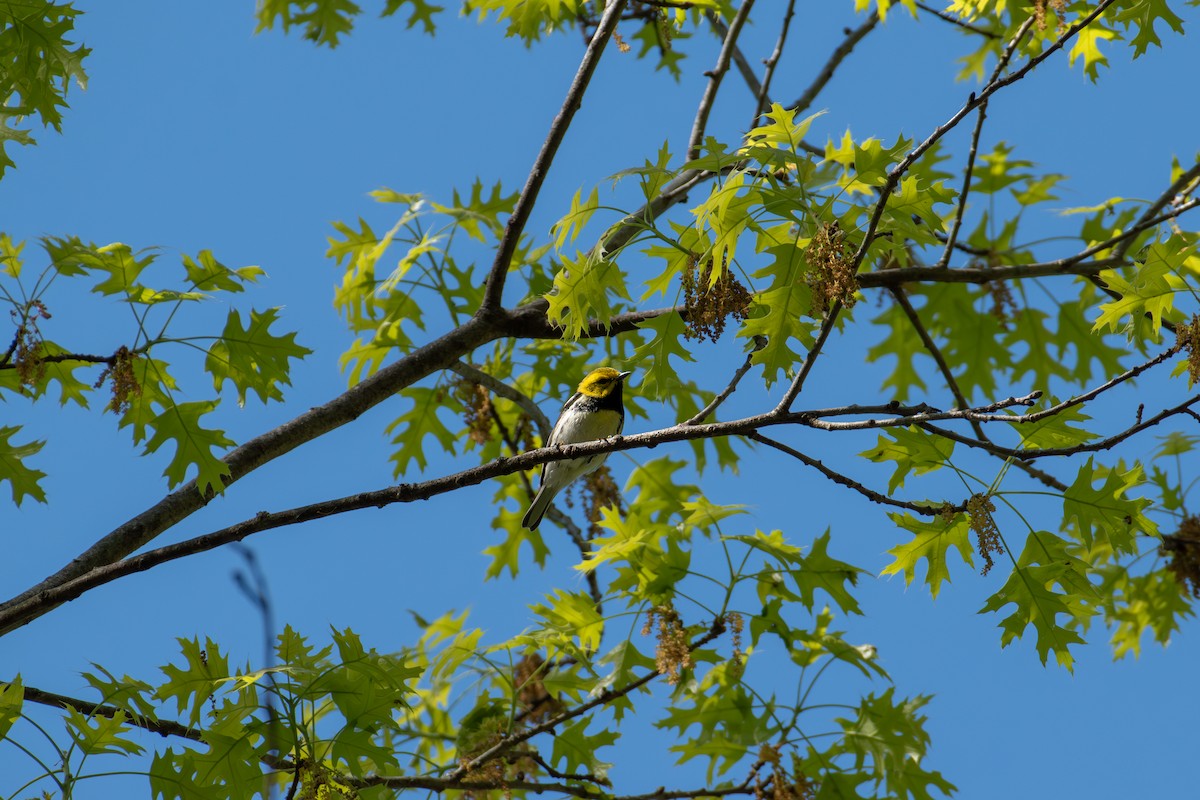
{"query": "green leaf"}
[(116, 263), (10, 256), (193, 445), (253, 358), (658, 376), (40, 64), (810, 573), (97, 734), (324, 21), (913, 450), (570, 226), (422, 420), (1142, 15), (576, 749), (1151, 291), (778, 317), (1055, 430), (1091, 512), (569, 623), (420, 11), (584, 290), (24, 481), (12, 698), (366, 686), (207, 274), (192, 684), (887, 738), (1044, 564), (932, 541), (1153, 602)]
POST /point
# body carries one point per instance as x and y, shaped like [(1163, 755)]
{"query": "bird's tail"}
[(537, 509)]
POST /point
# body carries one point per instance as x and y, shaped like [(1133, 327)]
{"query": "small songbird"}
[(596, 411)]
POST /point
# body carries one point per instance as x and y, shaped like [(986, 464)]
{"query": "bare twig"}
[(953, 20), (952, 237), (738, 374), (494, 288), (714, 79), (739, 58), (502, 389), (608, 695), (161, 727), (764, 91), (853, 37), (839, 478), (1169, 196)]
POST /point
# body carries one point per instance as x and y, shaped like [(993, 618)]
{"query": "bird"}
[(595, 411)]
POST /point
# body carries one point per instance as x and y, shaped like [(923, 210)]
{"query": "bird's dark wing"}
[(556, 434)]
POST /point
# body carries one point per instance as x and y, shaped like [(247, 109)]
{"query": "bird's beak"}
[(624, 375)]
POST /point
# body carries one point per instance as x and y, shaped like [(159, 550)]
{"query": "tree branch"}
[(714, 79), (761, 97), (853, 37), (494, 288), (839, 478), (36, 602), (606, 696), (502, 389), (894, 175), (953, 20), (952, 237), (346, 407)]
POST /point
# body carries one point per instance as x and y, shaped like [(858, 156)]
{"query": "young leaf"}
[(23, 480), (932, 541), (253, 358), (193, 445)]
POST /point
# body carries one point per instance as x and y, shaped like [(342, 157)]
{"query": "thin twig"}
[(714, 79), (894, 175), (953, 20), (1168, 196), (707, 411), (853, 37), (839, 478), (161, 727), (494, 287), (502, 389), (952, 237), (936, 352), (764, 91), (739, 58), (607, 696)]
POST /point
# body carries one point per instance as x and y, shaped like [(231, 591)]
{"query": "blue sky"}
[(195, 133)]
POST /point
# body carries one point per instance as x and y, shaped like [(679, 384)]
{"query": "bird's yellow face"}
[(601, 382)]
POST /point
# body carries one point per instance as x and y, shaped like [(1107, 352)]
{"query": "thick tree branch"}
[(739, 58), (346, 407), (494, 288), (35, 603)]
